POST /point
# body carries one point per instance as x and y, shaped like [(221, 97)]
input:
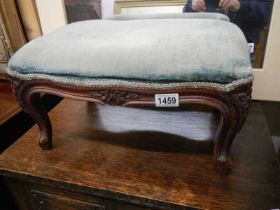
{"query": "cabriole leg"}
[(229, 130), (31, 103)]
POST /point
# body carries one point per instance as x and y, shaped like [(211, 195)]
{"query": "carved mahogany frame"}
[(233, 106)]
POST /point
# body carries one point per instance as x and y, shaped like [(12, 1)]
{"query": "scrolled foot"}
[(223, 164), (44, 143), (45, 133)]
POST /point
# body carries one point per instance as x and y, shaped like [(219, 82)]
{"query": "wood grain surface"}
[(113, 153), (8, 105)]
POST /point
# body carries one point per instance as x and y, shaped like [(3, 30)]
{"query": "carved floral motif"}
[(115, 97), (244, 102)]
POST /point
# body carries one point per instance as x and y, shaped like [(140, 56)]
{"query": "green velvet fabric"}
[(167, 50)]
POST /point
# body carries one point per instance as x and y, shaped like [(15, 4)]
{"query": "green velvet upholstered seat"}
[(169, 49)]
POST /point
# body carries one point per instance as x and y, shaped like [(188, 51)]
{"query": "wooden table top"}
[(146, 156)]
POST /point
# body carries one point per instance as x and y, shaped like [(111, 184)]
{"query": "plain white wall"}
[(107, 8), (51, 14)]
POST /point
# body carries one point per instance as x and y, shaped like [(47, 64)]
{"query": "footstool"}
[(154, 61)]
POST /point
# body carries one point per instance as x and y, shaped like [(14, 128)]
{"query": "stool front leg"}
[(30, 102), (228, 132), (232, 120)]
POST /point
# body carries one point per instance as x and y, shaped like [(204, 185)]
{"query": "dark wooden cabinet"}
[(13, 124), (105, 158), (30, 196), (33, 196)]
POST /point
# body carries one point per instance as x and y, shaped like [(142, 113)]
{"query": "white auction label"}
[(251, 47), (167, 100)]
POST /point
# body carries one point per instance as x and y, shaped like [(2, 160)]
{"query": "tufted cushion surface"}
[(154, 50)]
